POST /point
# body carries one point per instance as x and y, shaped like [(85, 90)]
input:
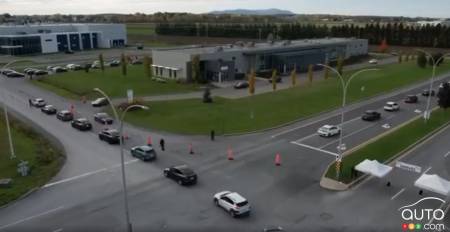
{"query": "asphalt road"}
[(86, 194)]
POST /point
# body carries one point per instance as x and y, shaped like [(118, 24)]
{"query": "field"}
[(79, 83), (272, 109), (390, 145), (42, 157)]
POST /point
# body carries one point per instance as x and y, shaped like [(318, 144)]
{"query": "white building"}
[(51, 38)]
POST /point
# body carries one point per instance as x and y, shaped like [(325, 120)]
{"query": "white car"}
[(38, 102), (99, 102), (373, 61), (232, 202), (391, 106), (73, 67), (329, 131)]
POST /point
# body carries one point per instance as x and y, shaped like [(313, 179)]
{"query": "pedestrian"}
[(162, 144), (29, 102), (213, 134)]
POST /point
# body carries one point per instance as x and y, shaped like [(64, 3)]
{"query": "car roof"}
[(235, 197), (184, 169), (370, 111), (82, 119), (146, 148), (327, 126), (65, 111), (49, 106), (391, 103), (38, 99), (102, 114)]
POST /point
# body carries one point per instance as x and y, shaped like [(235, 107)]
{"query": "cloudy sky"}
[(430, 8)]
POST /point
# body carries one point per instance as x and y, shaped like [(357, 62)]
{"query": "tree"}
[(340, 65), (422, 60), (123, 63), (294, 77), (274, 79), (195, 63), (444, 96), (102, 62), (383, 46), (310, 73), (251, 82)]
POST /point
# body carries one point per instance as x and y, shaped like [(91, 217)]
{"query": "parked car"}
[(40, 73), (29, 71), (144, 153), (110, 136), (74, 67), (442, 84), (58, 69), (103, 118), (15, 75), (50, 68), (81, 124), (96, 64), (371, 115), (113, 63), (5, 71), (64, 115), (232, 202), (373, 61), (182, 174), (99, 102), (49, 109), (278, 79), (135, 62), (391, 106), (427, 93), (38, 102), (329, 130), (241, 85), (411, 99)]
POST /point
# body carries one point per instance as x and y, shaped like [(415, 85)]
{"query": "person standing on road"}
[(213, 135), (29, 102), (162, 144)]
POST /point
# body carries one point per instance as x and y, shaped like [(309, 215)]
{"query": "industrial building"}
[(51, 38), (232, 61)]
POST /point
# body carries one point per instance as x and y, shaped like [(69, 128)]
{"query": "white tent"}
[(373, 168), (433, 183)]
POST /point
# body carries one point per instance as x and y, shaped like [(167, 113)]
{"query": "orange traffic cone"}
[(230, 154), (278, 160), (125, 136), (191, 149), (149, 140)]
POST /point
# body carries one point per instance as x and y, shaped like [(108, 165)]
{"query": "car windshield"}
[(240, 204), (185, 170)]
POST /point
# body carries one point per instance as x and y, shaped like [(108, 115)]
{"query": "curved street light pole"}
[(345, 85), (122, 160), (5, 109), (427, 113)]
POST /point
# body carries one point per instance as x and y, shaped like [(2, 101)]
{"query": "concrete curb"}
[(331, 184)]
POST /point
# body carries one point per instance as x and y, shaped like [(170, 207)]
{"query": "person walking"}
[(29, 103), (162, 144), (213, 135)]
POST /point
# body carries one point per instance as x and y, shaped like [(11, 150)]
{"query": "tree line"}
[(393, 33)]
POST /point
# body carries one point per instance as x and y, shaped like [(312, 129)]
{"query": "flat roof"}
[(251, 47), (56, 24)]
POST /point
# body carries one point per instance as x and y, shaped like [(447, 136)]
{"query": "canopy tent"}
[(433, 183), (374, 168)]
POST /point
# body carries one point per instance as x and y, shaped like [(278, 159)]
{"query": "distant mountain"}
[(254, 12)]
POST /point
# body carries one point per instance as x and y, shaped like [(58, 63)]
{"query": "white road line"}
[(440, 207), (398, 194), (354, 132), (32, 217), (307, 137), (309, 124), (427, 170), (446, 155), (316, 149)]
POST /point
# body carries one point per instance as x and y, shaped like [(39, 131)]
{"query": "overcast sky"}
[(429, 8)]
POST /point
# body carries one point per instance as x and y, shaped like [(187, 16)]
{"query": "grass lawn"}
[(272, 109), (79, 83), (390, 145), (140, 29), (43, 158)]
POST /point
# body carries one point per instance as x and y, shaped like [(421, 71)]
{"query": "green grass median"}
[(273, 109), (387, 147), (44, 160)]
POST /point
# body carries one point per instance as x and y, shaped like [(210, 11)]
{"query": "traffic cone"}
[(191, 149), (278, 160), (149, 140), (230, 154), (125, 136)]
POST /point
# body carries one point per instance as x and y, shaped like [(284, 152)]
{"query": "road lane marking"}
[(428, 169), (32, 217), (316, 149), (346, 136), (398, 194), (87, 174), (446, 155)]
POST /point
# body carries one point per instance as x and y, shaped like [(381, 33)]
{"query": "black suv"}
[(182, 174), (103, 118), (48, 109), (371, 115), (81, 124), (64, 115), (110, 136), (426, 93), (411, 99)]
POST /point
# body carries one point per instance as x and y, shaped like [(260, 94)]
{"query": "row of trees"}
[(393, 34)]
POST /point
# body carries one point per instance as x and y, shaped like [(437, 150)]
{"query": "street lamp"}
[(427, 113), (345, 85), (5, 109), (124, 181)]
